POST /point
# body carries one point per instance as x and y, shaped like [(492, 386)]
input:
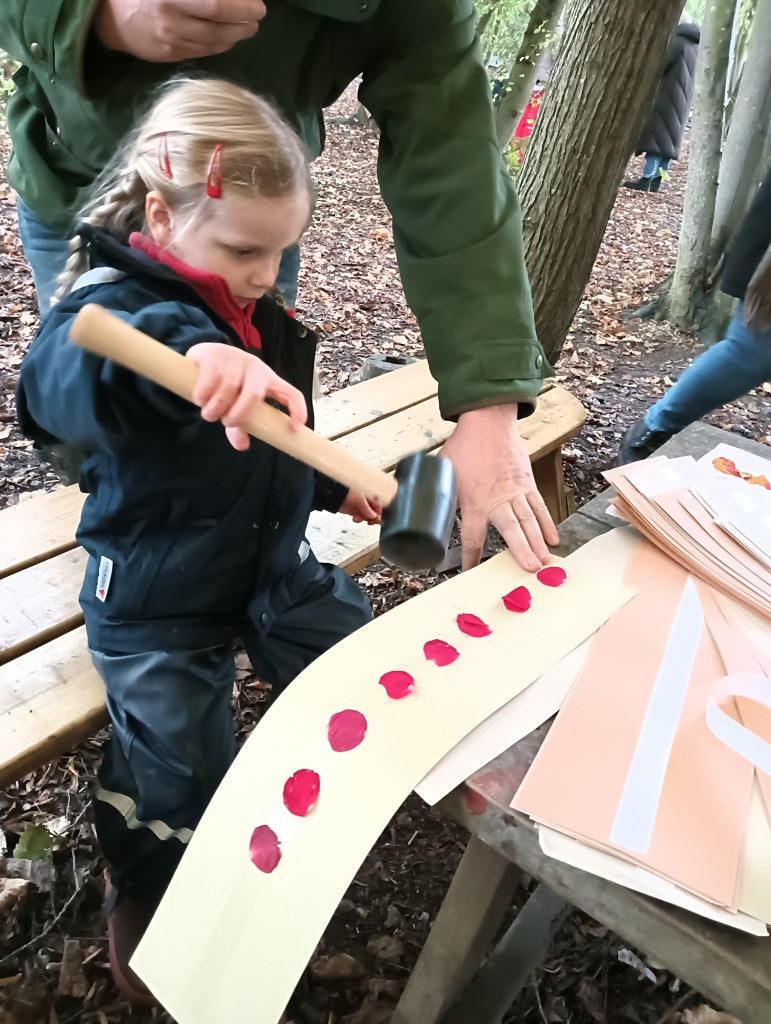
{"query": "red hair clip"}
[(214, 176), (163, 156)]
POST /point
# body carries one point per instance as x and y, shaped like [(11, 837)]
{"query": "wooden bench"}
[(51, 697)]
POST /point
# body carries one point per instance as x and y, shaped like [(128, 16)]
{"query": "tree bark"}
[(519, 87), (704, 163), (609, 64), (743, 150)]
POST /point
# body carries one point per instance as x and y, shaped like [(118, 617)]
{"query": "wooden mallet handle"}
[(106, 335)]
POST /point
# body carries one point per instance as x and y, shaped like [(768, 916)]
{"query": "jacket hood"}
[(690, 32)]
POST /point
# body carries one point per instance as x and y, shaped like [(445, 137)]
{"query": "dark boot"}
[(127, 921), (639, 442), (655, 183), (640, 184)]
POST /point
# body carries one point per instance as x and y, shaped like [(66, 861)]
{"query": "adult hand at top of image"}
[(496, 486), (174, 30), (230, 382)]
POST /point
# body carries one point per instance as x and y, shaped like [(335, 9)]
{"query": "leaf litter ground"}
[(53, 959)]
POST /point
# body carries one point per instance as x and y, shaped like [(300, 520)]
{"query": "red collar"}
[(211, 287)]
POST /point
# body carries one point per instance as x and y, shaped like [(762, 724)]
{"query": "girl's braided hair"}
[(170, 152)]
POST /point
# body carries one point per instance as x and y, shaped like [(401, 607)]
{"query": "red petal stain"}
[(475, 802), (264, 849), (440, 652), (518, 600), (552, 576), (472, 626), (346, 730), (397, 684), (301, 792)]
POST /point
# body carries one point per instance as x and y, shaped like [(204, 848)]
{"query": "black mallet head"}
[(417, 524)]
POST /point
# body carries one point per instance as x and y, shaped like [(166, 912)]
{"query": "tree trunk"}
[(704, 163), (746, 136), (519, 87), (609, 64)]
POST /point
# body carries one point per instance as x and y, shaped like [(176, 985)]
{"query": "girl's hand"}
[(360, 509), (230, 382)]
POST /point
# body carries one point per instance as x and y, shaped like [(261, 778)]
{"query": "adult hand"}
[(174, 30), (496, 485), (757, 298)]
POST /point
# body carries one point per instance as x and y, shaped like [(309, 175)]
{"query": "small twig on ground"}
[(678, 1005), (544, 1018)]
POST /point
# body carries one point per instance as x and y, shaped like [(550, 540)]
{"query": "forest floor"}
[(53, 964)]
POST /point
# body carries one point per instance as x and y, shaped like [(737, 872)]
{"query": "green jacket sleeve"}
[(457, 221), (48, 36)]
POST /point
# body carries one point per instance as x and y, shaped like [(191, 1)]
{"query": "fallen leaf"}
[(35, 843), (371, 1012), (337, 967), (386, 947), (706, 1015), (12, 892), (72, 978)]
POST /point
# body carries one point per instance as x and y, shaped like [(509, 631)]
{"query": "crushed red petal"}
[(472, 625), (301, 792), (346, 730), (440, 652), (264, 849), (397, 684)]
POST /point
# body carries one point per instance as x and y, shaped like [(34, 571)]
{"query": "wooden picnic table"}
[(729, 967)]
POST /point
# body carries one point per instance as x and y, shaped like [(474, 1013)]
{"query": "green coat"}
[(456, 218)]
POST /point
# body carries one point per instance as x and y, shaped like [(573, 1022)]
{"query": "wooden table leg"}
[(550, 480), (479, 896), (521, 951)]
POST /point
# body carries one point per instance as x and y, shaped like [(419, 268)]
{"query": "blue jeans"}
[(725, 372), (653, 164), (47, 249)]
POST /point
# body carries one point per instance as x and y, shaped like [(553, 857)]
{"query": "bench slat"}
[(52, 699), (40, 603), (38, 528), (361, 404)]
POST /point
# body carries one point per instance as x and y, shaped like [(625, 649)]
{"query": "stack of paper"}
[(657, 771), (712, 516)]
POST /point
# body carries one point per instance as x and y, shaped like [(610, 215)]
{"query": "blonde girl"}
[(195, 533)]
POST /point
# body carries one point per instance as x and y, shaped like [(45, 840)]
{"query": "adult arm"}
[(458, 238)]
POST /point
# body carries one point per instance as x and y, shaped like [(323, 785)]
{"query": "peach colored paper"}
[(577, 780), (740, 660), (649, 497)]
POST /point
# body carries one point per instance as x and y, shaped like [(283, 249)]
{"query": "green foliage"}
[(35, 843), (503, 23)]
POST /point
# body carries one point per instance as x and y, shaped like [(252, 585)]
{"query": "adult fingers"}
[(473, 533), (195, 37), (543, 516), (512, 528), (228, 11)]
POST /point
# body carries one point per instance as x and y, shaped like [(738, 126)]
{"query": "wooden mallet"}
[(418, 501)]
